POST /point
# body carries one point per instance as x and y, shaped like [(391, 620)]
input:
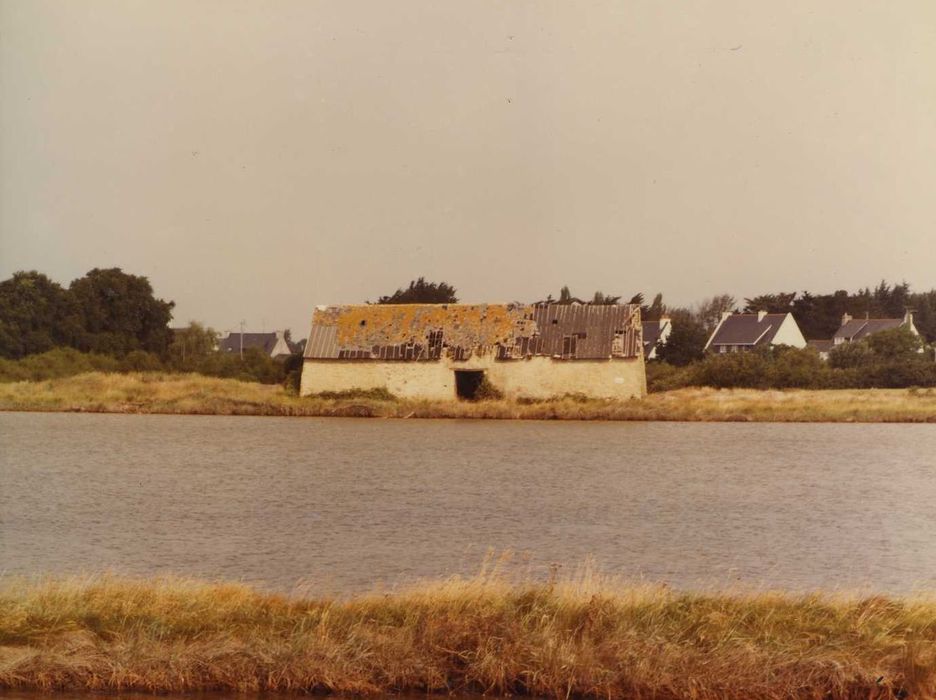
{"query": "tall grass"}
[(583, 637), (155, 392)]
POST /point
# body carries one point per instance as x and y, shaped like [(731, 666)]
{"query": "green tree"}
[(656, 310), (120, 313), (895, 344), (686, 342), (36, 315), (422, 292), (190, 345), (771, 303), (602, 299), (848, 355), (709, 311)]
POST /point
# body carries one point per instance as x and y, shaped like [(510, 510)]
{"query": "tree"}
[(686, 342), (422, 292), (771, 303), (709, 311), (192, 344), (602, 299), (36, 315), (848, 355), (656, 310), (120, 314), (895, 344)]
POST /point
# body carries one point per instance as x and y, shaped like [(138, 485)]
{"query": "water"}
[(341, 505)]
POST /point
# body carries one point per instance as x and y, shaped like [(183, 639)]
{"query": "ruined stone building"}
[(446, 351)]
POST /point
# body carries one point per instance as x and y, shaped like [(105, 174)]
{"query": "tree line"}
[(112, 320)]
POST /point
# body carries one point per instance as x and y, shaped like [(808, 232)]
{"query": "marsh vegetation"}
[(581, 637), (157, 392)]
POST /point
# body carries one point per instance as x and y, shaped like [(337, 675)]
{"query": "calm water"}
[(339, 505)]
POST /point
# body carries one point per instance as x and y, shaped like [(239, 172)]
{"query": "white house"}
[(743, 332), (855, 329), (655, 333)]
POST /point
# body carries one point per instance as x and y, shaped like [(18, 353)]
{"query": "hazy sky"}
[(254, 159)]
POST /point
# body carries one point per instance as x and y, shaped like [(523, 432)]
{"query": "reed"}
[(195, 394), (584, 637)]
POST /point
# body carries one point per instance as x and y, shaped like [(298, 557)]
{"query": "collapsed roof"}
[(418, 332)]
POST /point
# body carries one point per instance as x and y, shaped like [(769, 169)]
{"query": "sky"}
[(255, 159)]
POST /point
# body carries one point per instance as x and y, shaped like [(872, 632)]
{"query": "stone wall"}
[(537, 377)]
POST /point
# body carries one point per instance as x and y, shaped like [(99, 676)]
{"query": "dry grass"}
[(583, 638), (195, 394)]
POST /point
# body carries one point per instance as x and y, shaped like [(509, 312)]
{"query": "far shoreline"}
[(189, 394)]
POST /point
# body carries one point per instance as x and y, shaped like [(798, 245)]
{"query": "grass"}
[(195, 394), (584, 637)]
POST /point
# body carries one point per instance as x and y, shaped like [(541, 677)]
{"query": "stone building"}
[(446, 351)]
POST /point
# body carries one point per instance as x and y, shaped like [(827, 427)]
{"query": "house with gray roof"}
[(273, 344), (745, 332), (655, 334), (854, 329)]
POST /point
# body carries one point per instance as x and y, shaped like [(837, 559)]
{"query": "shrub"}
[(736, 369), (59, 362), (662, 376), (141, 361), (487, 391), (375, 394), (792, 368)]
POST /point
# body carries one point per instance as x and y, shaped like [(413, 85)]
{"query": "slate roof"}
[(746, 329), (651, 334), (414, 332), (859, 328), (820, 345), (263, 341)]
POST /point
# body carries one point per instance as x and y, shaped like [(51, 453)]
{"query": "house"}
[(655, 333), (823, 347), (273, 344), (855, 329), (743, 332), (447, 351)]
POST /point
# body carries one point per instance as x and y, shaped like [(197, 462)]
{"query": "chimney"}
[(760, 316), (908, 317), (846, 318)]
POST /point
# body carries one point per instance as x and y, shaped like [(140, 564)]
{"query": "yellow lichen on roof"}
[(463, 325)]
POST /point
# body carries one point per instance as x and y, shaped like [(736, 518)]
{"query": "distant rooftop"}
[(747, 329)]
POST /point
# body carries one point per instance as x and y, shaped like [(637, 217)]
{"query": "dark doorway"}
[(467, 383)]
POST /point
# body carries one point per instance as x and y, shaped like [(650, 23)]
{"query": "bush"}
[(141, 361), (662, 376), (736, 369), (60, 362), (292, 368), (891, 364), (791, 368), (487, 391), (255, 366), (376, 394)]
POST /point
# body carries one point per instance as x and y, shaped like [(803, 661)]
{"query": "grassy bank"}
[(195, 394), (581, 638)]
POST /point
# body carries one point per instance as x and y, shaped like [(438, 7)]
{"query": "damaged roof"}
[(417, 332)]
